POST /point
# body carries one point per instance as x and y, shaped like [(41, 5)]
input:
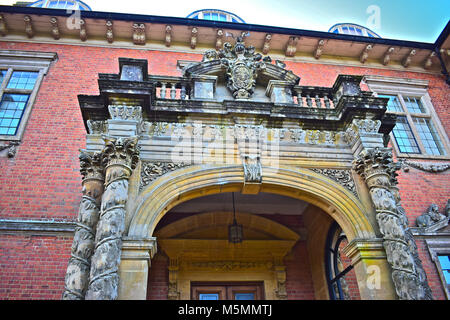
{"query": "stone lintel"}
[(365, 249)]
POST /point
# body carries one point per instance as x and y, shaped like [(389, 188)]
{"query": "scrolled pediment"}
[(241, 68)]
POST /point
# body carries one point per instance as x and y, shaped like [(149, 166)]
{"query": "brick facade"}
[(43, 182)]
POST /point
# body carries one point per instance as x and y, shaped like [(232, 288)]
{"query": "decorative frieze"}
[(228, 265), (341, 176), (123, 112), (152, 170), (97, 126), (431, 167)]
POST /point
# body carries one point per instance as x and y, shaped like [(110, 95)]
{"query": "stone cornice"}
[(37, 226), (145, 31)]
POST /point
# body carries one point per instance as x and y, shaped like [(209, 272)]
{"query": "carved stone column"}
[(77, 276), (120, 156), (376, 166)]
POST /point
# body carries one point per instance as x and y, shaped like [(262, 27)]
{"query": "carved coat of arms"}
[(242, 66)]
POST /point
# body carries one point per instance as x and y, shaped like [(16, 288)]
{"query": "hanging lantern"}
[(235, 232)]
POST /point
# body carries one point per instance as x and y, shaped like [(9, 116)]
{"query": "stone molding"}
[(37, 226), (341, 176)]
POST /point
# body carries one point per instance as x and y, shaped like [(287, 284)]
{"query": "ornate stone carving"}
[(219, 41), (168, 37), (429, 60), (430, 217), (242, 66), (280, 291), (77, 275), (119, 157), (291, 47), (173, 293), (387, 56), (319, 49), (28, 26), (118, 112), (109, 31), (365, 54), (425, 166), (152, 170), (3, 27), (11, 146), (266, 46), (55, 29), (361, 126), (194, 33), (139, 33), (341, 176), (252, 169), (379, 171), (229, 265), (97, 127), (407, 61), (83, 31)]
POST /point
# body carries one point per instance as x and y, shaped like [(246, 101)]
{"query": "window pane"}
[(208, 296), (11, 111), (414, 105), (429, 136), (445, 266), (222, 17), (393, 104), (22, 80), (207, 16), (2, 76), (244, 296), (404, 136), (359, 32), (215, 16)]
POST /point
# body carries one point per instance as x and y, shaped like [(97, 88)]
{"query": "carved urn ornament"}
[(242, 66)]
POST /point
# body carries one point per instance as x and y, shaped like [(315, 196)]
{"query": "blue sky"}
[(398, 19)]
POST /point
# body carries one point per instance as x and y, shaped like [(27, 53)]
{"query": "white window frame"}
[(414, 88), (32, 61), (438, 247)]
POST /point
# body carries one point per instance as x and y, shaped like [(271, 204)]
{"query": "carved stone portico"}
[(238, 122)]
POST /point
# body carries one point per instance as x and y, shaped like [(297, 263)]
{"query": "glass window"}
[(207, 16), (208, 296), (2, 76), (244, 296), (404, 136), (371, 35), (215, 16), (430, 139), (359, 32), (22, 80), (414, 105), (12, 107), (234, 20), (351, 30), (393, 104), (444, 261), (336, 31), (222, 17), (345, 30)]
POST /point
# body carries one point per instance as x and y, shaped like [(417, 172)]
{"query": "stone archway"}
[(191, 182)]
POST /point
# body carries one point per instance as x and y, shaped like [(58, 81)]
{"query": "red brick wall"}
[(158, 278), (43, 182), (33, 267)]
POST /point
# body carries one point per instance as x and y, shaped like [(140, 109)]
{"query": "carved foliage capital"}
[(377, 167), (91, 165), (120, 151)]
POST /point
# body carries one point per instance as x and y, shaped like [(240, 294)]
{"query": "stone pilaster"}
[(119, 156), (77, 276), (376, 166)]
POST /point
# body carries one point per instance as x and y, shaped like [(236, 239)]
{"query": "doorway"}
[(227, 291)]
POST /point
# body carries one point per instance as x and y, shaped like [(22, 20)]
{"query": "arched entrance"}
[(337, 203)]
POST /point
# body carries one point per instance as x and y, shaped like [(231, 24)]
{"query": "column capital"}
[(120, 151)]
